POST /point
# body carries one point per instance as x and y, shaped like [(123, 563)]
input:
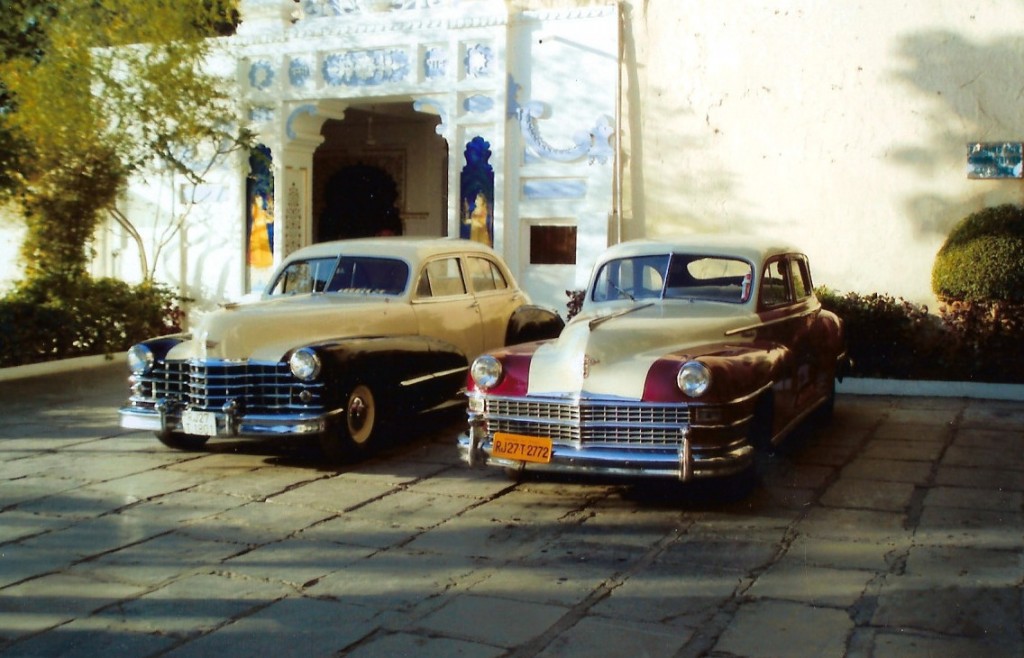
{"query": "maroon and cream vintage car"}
[(347, 335), (687, 356)]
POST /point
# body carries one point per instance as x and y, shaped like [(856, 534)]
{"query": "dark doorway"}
[(359, 201)]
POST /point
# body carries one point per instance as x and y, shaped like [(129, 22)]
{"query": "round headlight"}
[(486, 371), (140, 359), (304, 364), (693, 379)]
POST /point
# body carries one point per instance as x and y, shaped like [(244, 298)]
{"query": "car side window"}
[(485, 275), (441, 278), (775, 284), (801, 278)]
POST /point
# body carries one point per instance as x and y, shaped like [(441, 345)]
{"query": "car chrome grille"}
[(208, 385), (589, 422)]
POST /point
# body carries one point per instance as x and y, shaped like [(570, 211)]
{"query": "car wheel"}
[(357, 429), (180, 441)]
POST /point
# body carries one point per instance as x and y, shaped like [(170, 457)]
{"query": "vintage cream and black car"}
[(687, 355), (347, 334)]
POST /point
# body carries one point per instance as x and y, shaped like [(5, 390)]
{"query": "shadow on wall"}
[(974, 89)]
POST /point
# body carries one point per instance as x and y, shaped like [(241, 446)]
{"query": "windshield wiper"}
[(622, 292)]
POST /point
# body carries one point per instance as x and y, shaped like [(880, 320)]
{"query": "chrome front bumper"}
[(683, 463), (228, 422)]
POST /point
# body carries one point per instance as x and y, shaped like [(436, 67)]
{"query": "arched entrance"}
[(381, 170), (359, 201)]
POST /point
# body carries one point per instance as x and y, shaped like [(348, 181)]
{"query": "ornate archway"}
[(359, 201)]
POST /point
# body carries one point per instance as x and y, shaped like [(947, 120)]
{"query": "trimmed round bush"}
[(983, 257)]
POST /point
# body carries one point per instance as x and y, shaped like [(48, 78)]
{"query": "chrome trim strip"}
[(237, 427), (433, 375)]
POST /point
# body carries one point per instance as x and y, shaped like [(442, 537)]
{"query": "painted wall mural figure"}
[(477, 184), (260, 252)]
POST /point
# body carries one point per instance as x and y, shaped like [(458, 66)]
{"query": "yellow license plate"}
[(522, 448)]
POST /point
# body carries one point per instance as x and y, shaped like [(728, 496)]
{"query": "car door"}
[(786, 323), (496, 297), (444, 306)]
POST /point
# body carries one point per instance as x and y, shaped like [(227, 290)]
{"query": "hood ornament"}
[(587, 362)]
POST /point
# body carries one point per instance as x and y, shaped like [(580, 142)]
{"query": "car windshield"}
[(348, 274), (674, 276)]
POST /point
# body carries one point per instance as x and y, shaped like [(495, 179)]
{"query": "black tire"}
[(179, 441), (358, 427)]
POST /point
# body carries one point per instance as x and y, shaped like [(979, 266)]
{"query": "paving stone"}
[(296, 562), (959, 455), (842, 553), (490, 620), (55, 599), (87, 637), (667, 595), (393, 579), (774, 628), (982, 529), (180, 508), (981, 478), (600, 636), (889, 470), (412, 509), (981, 499), (995, 415), (875, 495), (937, 431), (15, 525), (289, 627), (695, 553), (192, 605), (336, 494), (792, 580), (408, 644), (921, 451), (960, 566), (912, 602), (1000, 440), (883, 528), (550, 580), (158, 560), (257, 523), (912, 645), (360, 532)]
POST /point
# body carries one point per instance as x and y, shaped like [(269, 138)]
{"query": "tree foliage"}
[(94, 91)]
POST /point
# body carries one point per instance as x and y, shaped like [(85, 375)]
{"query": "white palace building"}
[(427, 117), (861, 131)]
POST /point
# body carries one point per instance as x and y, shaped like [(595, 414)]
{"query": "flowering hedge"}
[(44, 321)]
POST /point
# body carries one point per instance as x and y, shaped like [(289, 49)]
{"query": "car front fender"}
[(530, 323), (416, 370)]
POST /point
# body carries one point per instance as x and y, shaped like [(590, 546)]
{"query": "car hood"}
[(267, 330), (609, 354)]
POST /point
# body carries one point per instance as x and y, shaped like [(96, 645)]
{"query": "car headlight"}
[(304, 364), (486, 371), (693, 379), (140, 359)]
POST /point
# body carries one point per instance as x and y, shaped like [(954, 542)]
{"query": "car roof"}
[(753, 248), (411, 249)]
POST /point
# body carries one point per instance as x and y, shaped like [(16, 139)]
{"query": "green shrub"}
[(983, 258), (890, 338), (45, 320)]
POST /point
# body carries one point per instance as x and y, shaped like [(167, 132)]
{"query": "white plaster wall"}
[(206, 260), (11, 234), (841, 126)]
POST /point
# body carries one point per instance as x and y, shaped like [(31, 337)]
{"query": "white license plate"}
[(201, 423)]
